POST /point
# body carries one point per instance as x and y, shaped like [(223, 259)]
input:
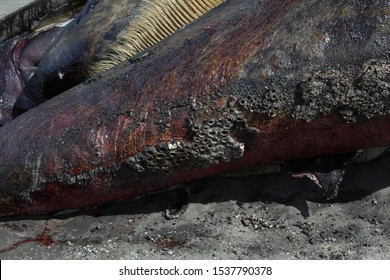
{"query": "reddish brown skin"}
[(43, 150)]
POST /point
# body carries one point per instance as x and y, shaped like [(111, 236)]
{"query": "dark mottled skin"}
[(75, 150)]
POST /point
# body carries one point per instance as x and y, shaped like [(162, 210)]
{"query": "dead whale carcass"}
[(250, 83), (103, 35)]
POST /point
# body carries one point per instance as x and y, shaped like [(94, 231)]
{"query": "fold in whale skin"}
[(104, 34), (250, 83)]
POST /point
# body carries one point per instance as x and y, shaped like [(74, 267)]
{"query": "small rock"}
[(246, 222)]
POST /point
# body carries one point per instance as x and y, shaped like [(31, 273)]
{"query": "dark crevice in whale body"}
[(83, 51), (48, 79)]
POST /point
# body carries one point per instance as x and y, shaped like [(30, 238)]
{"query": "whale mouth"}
[(25, 35), (76, 50)]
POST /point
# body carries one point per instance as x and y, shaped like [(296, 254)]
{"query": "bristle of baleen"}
[(156, 20)]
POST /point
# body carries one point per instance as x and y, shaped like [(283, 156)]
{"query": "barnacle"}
[(257, 97), (211, 141), (364, 95)]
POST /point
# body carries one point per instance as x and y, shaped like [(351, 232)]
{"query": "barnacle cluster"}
[(212, 137), (367, 95), (162, 156), (257, 97), (211, 141), (214, 130)]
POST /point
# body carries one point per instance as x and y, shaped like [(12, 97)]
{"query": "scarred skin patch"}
[(211, 141)]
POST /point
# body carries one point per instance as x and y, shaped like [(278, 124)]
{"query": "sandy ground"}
[(257, 217)]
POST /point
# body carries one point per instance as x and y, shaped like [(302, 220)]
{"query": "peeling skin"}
[(86, 138), (211, 142)]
